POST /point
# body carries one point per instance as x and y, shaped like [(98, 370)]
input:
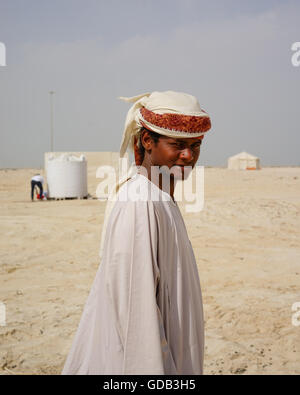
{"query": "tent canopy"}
[(244, 161), (243, 155)]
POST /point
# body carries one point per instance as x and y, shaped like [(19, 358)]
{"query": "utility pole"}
[(51, 120)]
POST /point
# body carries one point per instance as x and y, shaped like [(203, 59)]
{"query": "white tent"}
[(243, 161)]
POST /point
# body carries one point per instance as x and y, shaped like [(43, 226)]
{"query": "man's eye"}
[(177, 145), (182, 146)]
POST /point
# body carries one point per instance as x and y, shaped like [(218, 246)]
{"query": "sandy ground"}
[(247, 246)]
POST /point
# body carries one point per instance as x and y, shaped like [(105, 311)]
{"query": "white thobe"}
[(144, 313), (38, 178)]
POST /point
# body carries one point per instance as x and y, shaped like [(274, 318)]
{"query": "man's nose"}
[(187, 154)]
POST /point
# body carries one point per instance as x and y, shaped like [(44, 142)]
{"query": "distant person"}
[(37, 180)]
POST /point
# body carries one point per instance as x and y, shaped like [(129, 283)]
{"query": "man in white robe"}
[(144, 313)]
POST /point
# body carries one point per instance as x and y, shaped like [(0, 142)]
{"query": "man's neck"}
[(158, 179)]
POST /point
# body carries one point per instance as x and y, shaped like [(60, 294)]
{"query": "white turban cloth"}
[(172, 114)]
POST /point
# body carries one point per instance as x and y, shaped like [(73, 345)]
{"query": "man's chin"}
[(181, 172)]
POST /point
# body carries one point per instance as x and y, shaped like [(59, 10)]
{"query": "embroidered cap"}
[(173, 114)]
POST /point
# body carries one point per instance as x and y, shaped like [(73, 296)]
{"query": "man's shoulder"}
[(139, 199), (140, 189), (137, 189)]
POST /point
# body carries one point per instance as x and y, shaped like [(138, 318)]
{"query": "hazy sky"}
[(233, 55)]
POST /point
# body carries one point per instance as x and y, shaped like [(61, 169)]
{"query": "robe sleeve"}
[(131, 279)]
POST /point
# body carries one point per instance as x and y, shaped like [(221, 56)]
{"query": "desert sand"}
[(247, 245)]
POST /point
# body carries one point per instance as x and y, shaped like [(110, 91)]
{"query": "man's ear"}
[(146, 140)]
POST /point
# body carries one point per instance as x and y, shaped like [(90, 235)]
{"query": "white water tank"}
[(67, 176)]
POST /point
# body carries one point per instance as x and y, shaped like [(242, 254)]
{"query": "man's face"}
[(176, 153)]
